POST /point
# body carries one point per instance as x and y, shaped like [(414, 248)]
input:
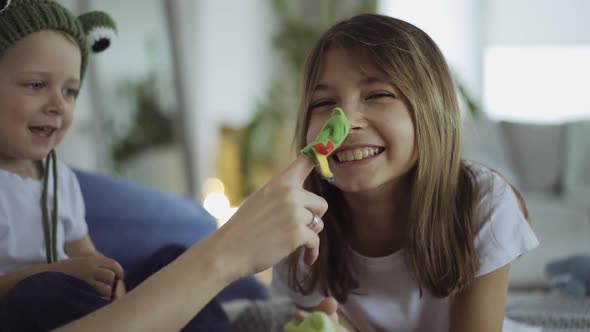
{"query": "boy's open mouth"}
[(43, 131), (357, 154)]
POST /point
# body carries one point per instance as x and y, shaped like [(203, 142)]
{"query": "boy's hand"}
[(119, 290), (97, 271)]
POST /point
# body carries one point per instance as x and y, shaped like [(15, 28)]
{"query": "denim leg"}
[(46, 301)]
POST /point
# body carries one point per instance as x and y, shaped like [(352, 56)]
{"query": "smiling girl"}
[(416, 238)]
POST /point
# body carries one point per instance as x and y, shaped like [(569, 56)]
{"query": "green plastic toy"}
[(317, 321), (329, 139)]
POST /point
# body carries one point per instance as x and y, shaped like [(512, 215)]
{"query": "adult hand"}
[(273, 222), (97, 271)]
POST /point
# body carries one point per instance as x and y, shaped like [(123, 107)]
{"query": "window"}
[(537, 84)]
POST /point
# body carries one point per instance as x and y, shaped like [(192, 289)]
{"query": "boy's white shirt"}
[(388, 298), (22, 241)]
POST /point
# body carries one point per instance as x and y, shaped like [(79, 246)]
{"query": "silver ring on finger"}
[(314, 222)]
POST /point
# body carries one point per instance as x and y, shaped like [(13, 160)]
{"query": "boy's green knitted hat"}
[(18, 18)]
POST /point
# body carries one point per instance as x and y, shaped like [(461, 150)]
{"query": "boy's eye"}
[(321, 103), (35, 85), (69, 92)]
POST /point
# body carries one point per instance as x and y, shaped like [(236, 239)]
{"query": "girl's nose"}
[(355, 117)]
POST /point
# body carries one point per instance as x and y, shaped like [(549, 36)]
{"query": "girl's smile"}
[(356, 154)]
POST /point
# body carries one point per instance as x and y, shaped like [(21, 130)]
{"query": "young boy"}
[(44, 52)]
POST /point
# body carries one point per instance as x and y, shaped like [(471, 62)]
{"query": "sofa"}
[(129, 222), (549, 163)]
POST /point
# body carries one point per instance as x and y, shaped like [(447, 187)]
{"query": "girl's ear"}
[(4, 4), (100, 30)]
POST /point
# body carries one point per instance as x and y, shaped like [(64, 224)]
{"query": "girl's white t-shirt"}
[(22, 241), (388, 298)]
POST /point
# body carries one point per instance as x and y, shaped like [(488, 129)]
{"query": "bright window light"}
[(215, 202), (537, 84)]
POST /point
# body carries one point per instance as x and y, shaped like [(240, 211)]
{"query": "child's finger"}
[(104, 275), (103, 289), (301, 314), (114, 288), (114, 266), (328, 305)]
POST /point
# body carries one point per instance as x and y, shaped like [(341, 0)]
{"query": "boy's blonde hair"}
[(443, 214)]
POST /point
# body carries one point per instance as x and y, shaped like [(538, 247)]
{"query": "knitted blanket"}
[(553, 312)]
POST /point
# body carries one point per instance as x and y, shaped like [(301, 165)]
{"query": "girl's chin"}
[(353, 186)]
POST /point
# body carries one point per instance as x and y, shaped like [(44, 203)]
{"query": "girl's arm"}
[(480, 307)]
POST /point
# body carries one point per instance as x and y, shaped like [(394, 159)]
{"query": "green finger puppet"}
[(317, 321), (327, 141)]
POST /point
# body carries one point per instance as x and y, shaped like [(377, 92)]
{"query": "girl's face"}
[(39, 82), (379, 150)]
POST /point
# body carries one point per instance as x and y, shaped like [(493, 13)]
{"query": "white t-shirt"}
[(389, 297), (22, 241)]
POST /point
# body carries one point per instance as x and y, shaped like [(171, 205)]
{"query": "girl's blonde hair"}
[(444, 196)]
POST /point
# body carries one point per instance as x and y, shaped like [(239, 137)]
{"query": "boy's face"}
[(39, 82)]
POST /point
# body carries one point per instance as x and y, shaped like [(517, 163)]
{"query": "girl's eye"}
[(68, 92), (321, 103), (381, 95)]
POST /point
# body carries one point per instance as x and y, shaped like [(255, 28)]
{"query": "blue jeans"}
[(48, 300)]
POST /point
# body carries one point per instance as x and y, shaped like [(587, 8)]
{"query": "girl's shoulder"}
[(492, 187), (504, 232)]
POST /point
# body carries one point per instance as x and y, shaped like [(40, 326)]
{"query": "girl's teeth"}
[(356, 154)]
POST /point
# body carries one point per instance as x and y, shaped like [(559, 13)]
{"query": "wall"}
[(85, 146), (233, 68), (537, 22), (536, 61), (234, 71), (456, 27), (479, 39)]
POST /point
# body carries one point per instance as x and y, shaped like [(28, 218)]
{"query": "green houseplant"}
[(150, 125)]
